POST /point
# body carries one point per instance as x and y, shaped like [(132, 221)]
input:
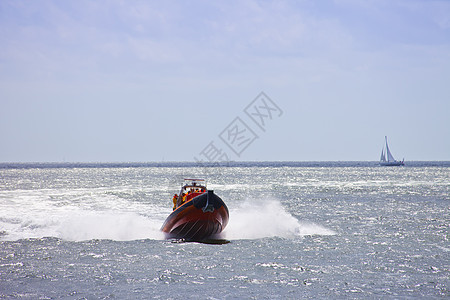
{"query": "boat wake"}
[(39, 219), (268, 218), (117, 226), (82, 225)]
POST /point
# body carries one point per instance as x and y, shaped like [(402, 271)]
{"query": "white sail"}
[(383, 157), (390, 161), (389, 154)]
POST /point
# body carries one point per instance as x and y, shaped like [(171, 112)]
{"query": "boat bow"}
[(198, 218)]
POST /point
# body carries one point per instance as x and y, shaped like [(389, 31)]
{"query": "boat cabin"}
[(190, 189)]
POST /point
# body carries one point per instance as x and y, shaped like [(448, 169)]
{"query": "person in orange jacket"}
[(174, 199)]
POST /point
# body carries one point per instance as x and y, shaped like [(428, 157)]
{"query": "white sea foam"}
[(268, 218), (77, 215), (113, 225)]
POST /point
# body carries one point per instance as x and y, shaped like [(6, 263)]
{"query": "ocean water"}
[(296, 230)]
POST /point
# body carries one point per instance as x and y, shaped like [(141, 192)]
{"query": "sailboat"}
[(390, 161)]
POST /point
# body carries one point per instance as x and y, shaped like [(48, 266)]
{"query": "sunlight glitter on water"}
[(321, 232)]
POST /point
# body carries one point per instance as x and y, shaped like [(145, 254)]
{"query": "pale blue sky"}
[(118, 81)]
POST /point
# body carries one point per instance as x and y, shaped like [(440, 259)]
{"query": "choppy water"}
[(297, 230)]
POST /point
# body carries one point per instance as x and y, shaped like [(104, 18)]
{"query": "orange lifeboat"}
[(198, 214)]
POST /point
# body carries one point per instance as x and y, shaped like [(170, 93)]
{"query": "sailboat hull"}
[(392, 163), (200, 218)]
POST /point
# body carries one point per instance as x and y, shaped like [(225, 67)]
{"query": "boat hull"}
[(200, 218), (392, 164)]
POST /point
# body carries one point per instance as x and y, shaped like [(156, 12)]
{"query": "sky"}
[(144, 81)]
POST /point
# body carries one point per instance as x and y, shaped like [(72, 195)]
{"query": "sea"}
[(297, 230)]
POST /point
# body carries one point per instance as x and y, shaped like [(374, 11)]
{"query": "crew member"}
[(174, 199)]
